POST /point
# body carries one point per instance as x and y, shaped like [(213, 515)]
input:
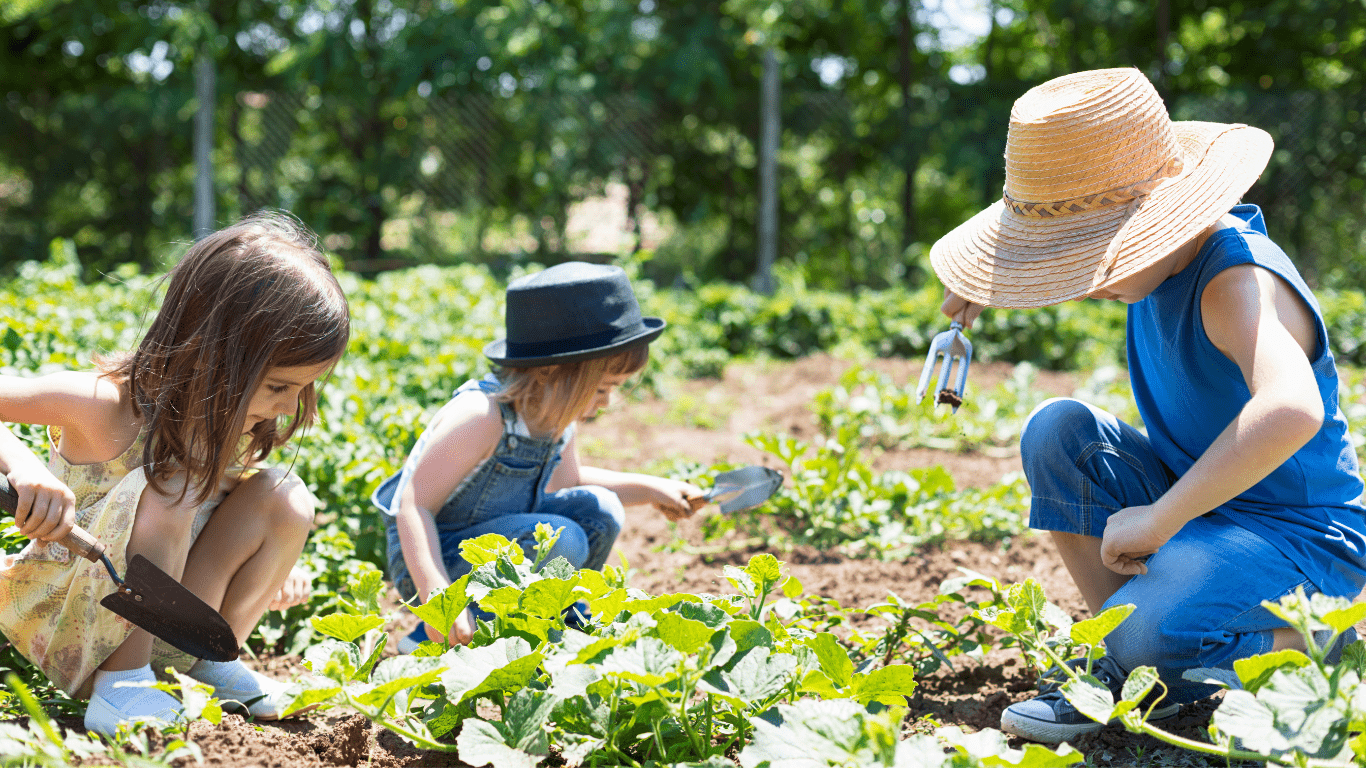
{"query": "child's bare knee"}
[(284, 500)]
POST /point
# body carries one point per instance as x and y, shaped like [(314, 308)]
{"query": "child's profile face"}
[(603, 396), (278, 394)]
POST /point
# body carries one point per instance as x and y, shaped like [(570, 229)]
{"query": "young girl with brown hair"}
[(502, 455), (158, 452)]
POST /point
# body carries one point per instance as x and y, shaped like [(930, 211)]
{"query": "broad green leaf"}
[(1345, 618), (683, 634), (749, 634), (1027, 599), (1093, 630), (1354, 657), (344, 626), (992, 748), (333, 659), (443, 608), (648, 661), (592, 585), (573, 680), (365, 589), (524, 719), (890, 686), (811, 733), (298, 697), (742, 581), (1255, 671), (501, 601), (1003, 619), (764, 569), (1090, 697), (792, 587), (1241, 715), (1139, 682), (197, 699), (398, 673), (756, 677), (548, 598), (816, 682), (505, 665), (487, 548), (707, 613), (451, 716), (481, 743), (834, 659), (1226, 678), (533, 629)]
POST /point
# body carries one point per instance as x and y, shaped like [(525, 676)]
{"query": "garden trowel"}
[(744, 488), (150, 598)]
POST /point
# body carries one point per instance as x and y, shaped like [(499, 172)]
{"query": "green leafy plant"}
[(833, 499)]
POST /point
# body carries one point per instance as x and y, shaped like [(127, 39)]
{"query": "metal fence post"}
[(204, 92), (770, 127)]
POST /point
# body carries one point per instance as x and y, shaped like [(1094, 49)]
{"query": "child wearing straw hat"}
[(502, 455), (1245, 486)]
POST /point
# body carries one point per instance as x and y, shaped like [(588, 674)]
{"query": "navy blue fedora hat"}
[(572, 311)]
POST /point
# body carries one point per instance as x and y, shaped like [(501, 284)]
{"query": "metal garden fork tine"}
[(957, 353)]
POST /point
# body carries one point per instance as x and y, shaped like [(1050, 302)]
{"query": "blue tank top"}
[(1188, 391)]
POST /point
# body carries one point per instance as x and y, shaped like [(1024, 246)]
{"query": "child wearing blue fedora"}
[(502, 456)]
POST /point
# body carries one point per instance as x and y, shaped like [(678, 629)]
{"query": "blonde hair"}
[(552, 397), (254, 296)]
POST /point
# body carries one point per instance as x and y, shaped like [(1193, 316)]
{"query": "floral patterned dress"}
[(50, 599)]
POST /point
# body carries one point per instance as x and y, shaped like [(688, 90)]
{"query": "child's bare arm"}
[(75, 401), (1262, 325), (673, 498), (459, 439)]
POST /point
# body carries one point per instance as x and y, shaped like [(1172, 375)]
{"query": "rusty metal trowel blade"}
[(163, 606), (745, 488)]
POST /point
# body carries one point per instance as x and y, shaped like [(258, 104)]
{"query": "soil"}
[(703, 421)]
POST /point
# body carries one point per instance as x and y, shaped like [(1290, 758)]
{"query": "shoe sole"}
[(1047, 732)]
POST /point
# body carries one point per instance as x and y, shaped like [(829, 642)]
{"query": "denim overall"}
[(506, 495)]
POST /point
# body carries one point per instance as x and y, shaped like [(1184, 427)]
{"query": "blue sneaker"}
[(1050, 718)]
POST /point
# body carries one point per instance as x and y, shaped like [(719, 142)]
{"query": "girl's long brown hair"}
[(551, 397), (245, 299)]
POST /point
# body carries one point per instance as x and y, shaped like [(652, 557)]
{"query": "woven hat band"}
[(1121, 196)]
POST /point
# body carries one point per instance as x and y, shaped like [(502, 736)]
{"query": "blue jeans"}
[(1199, 604), (591, 517)]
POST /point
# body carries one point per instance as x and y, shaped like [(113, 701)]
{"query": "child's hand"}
[(675, 498), (1132, 534), (46, 509), (960, 309), (461, 632), (298, 587)]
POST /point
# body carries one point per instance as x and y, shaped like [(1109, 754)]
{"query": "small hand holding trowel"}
[(743, 488), (957, 352), (150, 598)]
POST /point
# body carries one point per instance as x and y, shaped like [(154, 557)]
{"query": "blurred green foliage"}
[(451, 122)]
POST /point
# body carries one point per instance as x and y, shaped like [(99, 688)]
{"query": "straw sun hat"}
[(1099, 184)]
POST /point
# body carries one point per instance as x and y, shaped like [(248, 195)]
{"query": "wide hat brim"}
[(999, 258), (648, 330)]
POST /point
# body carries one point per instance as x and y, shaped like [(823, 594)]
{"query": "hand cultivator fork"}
[(957, 350)]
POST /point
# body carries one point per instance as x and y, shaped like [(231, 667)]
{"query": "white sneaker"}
[(244, 690), (104, 718)]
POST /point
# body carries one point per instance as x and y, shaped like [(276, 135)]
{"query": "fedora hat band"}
[(607, 338), (1123, 195)]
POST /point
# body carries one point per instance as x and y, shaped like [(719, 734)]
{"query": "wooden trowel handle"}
[(79, 540)]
